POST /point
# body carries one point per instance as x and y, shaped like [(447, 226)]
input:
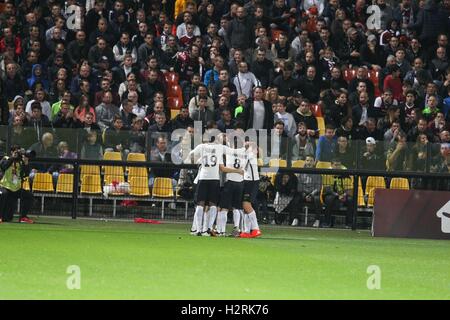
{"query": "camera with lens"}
[(30, 154)]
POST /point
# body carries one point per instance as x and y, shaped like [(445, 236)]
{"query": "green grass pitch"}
[(124, 260)]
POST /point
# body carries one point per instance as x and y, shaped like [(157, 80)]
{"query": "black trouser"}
[(300, 201), (8, 203), (332, 202)]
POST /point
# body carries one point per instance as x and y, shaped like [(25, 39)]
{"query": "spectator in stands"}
[(182, 120), (137, 109), (64, 118), (44, 149), (310, 85), (338, 193), (290, 125), (305, 115), (116, 138), (371, 159), (417, 158), (92, 148), (285, 190), (63, 153), (363, 110), (438, 125), (226, 122), (431, 109), (335, 112), (393, 82), (202, 92), (106, 111), (39, 96), (382, 104), (345, 152), (136, 136), (21, 135), (56, 107), (304, 144), (420, 128), (126, 113), (346, 128), (258, 113), (396, 158), (202, 112), (391, 134), (326, 145), (245, 81), (161, 124), (161, 153), (372, 55), (361, 75), (392, 115), (354, 96), (38, 122), (263, 68), (308, 193)]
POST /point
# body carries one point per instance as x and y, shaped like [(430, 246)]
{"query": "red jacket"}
[(17, 45)]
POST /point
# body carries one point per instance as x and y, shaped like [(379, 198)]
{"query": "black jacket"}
[(248, 115)]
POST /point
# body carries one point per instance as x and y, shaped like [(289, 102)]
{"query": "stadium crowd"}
[(324, 76)]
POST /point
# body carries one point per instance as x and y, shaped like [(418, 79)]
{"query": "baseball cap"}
[(104, 59), (370, 140)]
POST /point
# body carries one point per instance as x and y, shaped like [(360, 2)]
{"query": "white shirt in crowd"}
[(245, 82), (259, 112)]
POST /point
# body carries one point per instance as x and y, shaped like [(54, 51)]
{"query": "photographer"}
[(14, 169)]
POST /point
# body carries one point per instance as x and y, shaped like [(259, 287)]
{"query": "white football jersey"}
[(251, 166), (235, 158), (211, 157)]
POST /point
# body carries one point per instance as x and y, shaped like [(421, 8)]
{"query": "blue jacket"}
[(326, 149)]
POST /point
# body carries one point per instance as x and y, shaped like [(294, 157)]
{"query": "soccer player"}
[(231, 197), (251, 181), (211, 159)]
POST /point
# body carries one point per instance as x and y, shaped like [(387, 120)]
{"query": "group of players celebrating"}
[(236, 163)]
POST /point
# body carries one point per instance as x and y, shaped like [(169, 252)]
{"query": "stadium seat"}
[(175, 92), (137, 171), (136, 157), (279, 163), (65, 183), (323, 165), (174, 113), (260, 162), (275, 34), (399, 184), (162, 188), (372, 184), (174, 103), (316, 110), (111, 155), (26, 184), (374, 78), (321, 125), (298, 164), (171, 78), (110, 178), (43, 182), (91, 184), (90, 169), (349, 74), (139, 187), (113, 170)]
